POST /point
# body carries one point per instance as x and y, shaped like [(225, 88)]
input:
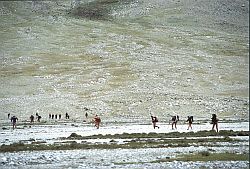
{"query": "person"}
[(32, 119), (14, 120), (215, 122), (52, 116), (175, 119), (86, 116), (190, 121), (39, 118), (60, 116), (56, 116), (8, 115), (67, 116), (154, 121), (97, 121), (49, 116)]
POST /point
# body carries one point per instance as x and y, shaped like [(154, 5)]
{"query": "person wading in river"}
[(32, 119), (175, 119), (154, 121), (97, 121), (215, 122), (190, 121), (14, 120)]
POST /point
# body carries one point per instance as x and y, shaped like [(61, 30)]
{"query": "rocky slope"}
[(125, 59)]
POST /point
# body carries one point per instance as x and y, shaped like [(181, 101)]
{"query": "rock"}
[(3, 160), (74, 135), (12, 163)]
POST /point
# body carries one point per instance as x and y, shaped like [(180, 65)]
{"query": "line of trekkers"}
[(97, 120), (190, 120)]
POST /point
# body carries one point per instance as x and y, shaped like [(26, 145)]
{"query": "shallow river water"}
[(115, 158)]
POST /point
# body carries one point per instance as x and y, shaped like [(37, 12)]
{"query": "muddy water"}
[(124, 59)]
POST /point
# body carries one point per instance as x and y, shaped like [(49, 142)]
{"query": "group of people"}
[(14, 119), (97, 120), (52, 116), (59, 116), (38, 117), (32, 118), (190, 120)]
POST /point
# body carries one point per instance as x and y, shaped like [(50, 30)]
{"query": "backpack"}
[(173, 118), (191, 118)]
